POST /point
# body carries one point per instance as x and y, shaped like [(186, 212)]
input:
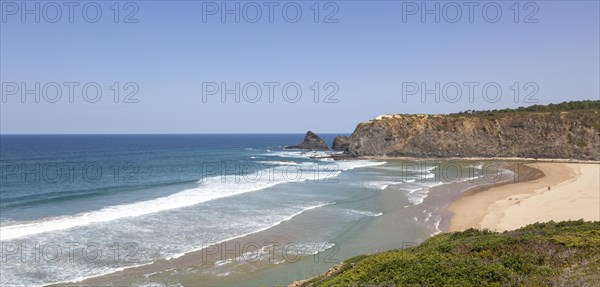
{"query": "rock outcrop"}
[(341, 143), (311, 142), (571, 134)]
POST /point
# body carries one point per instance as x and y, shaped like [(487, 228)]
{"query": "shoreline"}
[(458, 218), (566, 191), (509, 205), (453, 191), (441, 199)]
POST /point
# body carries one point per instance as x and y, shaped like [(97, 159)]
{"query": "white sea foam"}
[(87, 273), (416, 197), (209, 191), (212, 188), (436, 225), (297, 154), (348, 165), (478, 166), (365, 213), (250, 256), (428, 216), (428, 175), (468, 178), (151, 274), (309, 248), (380, 185), (429, 168), (291, 250), (418, 194), (278, 162), (304, 209)]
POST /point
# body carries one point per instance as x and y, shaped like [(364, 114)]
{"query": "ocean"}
[(75, 207)]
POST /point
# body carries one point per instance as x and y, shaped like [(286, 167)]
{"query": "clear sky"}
[(372, 58)]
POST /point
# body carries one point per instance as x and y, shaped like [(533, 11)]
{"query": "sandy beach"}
[(567, 191)]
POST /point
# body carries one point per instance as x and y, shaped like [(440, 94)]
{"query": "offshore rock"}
[(311, 142)]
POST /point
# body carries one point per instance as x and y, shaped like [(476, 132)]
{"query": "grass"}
[(542, 254)]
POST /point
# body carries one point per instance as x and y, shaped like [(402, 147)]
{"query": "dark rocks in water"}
[(311, 142), (341, 143)]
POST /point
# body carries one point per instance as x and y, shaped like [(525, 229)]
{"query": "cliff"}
[(526, 132), (340, 143)]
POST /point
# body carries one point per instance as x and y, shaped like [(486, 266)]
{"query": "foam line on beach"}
[(98, 273), (304, 209)]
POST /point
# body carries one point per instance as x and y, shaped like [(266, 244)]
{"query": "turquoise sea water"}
[(79, 206)]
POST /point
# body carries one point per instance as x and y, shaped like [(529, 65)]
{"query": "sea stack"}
[(341, 143), (311, 142)]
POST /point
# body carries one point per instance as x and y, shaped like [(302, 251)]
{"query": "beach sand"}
[(574, 194)]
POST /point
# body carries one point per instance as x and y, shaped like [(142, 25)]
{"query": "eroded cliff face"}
[(341, 143), (566, 135)]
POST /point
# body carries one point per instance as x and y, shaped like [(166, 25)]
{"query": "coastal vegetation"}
[(561, 107), (542, 254)]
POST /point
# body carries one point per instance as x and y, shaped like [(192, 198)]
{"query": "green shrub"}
[(541, 254)]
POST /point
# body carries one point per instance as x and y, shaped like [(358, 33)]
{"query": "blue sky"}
[(365, 59)]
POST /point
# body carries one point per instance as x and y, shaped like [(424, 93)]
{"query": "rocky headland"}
[(564, 131)]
